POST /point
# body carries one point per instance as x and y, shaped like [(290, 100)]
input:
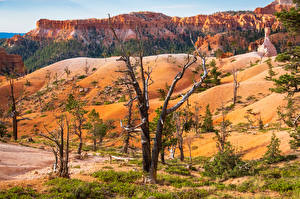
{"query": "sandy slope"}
[(252, 83), (16, 160)]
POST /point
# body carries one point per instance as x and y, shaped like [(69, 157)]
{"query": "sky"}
[(20, 16)]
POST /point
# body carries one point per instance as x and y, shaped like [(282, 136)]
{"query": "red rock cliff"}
[(11, 63), (155, 24), (276, 6)]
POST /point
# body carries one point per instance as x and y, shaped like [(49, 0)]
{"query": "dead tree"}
[(142, 97), (14, 112), (67, 71), (189, 142), (14, 101), (14, 98), (60, 146), (236, 85), (129, 129), (75, 107), (179, 132), (197, 116), (86, 68), (150, 160), (223, 134)]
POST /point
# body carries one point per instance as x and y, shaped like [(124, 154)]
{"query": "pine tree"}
[(289, 83), (273, 153), (168, 136), (295, 141), (75, 107), (207, 125)]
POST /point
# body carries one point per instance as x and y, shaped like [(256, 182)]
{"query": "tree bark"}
[(94, 144), (13, 109), (61, 153), (157, 147), (162, 155), (126, 143), (235, 85), (80, 145), (180, 146)]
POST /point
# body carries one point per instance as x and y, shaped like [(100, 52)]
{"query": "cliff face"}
[(276, 6), (10, 63), (154, 25)]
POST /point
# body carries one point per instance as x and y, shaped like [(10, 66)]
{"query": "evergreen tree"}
[(3, 130), (289, 83), (273, 153), (168, 136), (75, 107), (295, 141), (207, 125)]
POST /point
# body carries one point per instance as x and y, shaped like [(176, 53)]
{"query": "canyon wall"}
[(153, 25), (11, 63)]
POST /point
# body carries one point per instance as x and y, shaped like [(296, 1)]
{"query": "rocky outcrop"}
[(154, 25), (211, 43), (278, 39), (10, 63), (276, 6), (267, 49)]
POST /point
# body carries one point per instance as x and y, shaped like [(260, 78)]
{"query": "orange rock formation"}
[(155, 24), (11, 63), (276, 6)]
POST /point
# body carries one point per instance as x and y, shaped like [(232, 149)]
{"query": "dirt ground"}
[(24, 165), (16, 160)]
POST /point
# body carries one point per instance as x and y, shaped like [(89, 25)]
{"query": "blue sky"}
[(21, 15)]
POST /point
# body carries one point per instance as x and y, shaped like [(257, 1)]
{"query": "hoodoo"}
[(267, 49)]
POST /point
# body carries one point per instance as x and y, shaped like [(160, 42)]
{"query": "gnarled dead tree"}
[(236, 85), (129, 124), (14, 96), (60, 145), (150, 160)]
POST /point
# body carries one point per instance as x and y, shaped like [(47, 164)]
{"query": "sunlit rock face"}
[(154, 25), (275, 6), (267, 49)]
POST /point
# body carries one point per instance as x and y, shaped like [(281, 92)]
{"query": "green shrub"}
[(107, 103), (177, 181), (3, 130), (226, 164), (18, 193), (82, 76), (180, 170), (97, 103), (283, 185), (122, 99), (72, 188), (114, 176), (28, 111), (273, 153)]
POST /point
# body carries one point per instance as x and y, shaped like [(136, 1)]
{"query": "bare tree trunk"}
[(80, 145), (66, 162), (172, 151), (15, 126), (56, 158), (126, 144), (61, 153), (180, 146), (13, 109), (62, 148), (94, 144), (156, 148), (236, 85), (162, 155)]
